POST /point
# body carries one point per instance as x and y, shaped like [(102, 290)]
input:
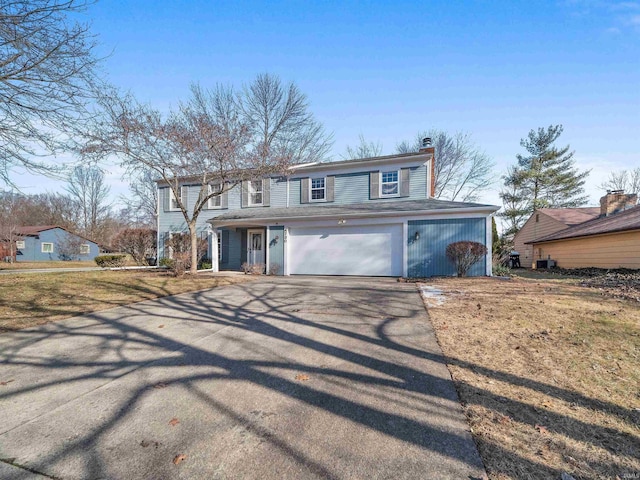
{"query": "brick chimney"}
[(427, 147), (617, 201)]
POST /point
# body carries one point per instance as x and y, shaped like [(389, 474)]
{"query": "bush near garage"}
[(465, 254)]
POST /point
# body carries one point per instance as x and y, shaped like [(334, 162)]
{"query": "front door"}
[(255, 247)]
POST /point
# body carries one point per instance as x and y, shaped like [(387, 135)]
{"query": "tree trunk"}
[(194, 248)]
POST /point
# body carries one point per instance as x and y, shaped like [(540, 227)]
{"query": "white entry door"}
[(255, 247)]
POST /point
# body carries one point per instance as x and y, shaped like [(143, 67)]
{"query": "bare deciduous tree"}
[(364, 149), (46, 76), (462, 170), (9, 223), (69, 246), (627, 180), (140, 243), (144, 190), (89, 193), (216, 137), (278, 119)]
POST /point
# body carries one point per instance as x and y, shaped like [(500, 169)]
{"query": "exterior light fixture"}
[(342, 221), (416, 237)]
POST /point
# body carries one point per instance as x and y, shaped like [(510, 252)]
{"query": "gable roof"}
[(619, 222), (571, 216), (369, 209), (35, 229)]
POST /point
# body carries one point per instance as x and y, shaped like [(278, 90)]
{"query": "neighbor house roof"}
[(35, 229), (571, 216), (618, 222), (382, 208)]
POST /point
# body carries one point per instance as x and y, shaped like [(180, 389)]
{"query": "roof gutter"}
[(238, 221), (585, 235)]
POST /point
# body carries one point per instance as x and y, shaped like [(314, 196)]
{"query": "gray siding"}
[(278, 192), (354, 188), (427, 255), (275, 244)]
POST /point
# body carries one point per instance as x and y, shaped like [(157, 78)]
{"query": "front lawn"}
[(548, 371), (35, 298)]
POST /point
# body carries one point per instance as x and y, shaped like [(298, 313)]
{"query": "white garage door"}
[(373, 250)]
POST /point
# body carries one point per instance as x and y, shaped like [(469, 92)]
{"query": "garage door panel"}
[(374, 250)]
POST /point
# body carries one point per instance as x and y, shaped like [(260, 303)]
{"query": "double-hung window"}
[(47, 247), (389, 186), (20, 244), (318, 189), (214, 202), (85, 249), (255, 192), (173, 201)]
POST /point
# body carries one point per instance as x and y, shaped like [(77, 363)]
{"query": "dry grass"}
[(37, 298), (548, 373)]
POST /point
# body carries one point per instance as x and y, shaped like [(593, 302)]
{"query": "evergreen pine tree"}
[(495, 238), (545, 178)]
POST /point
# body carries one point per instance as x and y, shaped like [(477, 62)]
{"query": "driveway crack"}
[(11, 461)]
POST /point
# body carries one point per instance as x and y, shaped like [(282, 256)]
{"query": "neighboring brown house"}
[(546, 221), (610, 241)]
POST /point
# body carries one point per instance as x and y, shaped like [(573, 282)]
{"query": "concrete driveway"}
[(294, 378)]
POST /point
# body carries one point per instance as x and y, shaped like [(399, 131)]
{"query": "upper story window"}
[(47, 247), (389, 184), (318, 189), (255, 192), (214, 202), (173, 201)]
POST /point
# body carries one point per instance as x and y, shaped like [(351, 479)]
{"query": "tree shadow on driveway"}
[(314, 378)]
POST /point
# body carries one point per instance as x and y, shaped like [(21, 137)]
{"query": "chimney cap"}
[(426, 142)]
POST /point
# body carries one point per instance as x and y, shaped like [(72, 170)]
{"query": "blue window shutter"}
[(266, 191), (330, 187), (184, 194), (166, 197), (304, 190), (405, 186), (245, 194), (224, 199), (374, 185)]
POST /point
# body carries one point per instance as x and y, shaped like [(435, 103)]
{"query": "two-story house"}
[(371, 217)]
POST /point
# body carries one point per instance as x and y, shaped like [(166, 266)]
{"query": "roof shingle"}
[(619, 222), (364, 209), (572, 216)]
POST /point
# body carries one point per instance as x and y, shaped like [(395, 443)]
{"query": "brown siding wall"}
[(615, 250), (532, 230)]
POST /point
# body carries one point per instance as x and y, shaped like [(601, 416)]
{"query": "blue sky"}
[(388, 70)]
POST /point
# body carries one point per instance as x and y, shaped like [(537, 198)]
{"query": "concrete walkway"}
[(295, 378)]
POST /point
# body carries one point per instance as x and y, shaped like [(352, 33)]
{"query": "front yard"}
[(548, 371), (36, 298)]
